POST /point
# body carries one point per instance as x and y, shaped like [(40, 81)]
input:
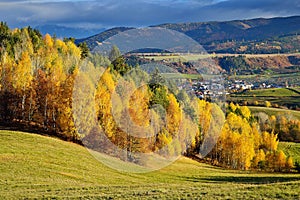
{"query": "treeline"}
[(287, 127), (242, 145), (53, 86), (37, 75)]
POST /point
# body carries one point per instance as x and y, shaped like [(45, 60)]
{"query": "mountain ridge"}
[(231, 36)]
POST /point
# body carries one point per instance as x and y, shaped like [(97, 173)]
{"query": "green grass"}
[(279, 96), (189, 76), (265, 77), (297, 89), (182, 76), (276, 111), (275, 92), (290, 149), (34, 166)]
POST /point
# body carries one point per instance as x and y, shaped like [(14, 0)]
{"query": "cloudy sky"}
[(138, 13)]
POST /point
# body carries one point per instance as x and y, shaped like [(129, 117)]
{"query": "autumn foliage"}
[(48, 86), (243, 146)]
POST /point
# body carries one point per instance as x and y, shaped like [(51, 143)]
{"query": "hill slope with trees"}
[(49, 86), (261, 35)]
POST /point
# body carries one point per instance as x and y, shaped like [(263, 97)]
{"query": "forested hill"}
[(253, 29), (239, 36)]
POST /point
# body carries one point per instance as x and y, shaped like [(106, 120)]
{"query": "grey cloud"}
[(109, 13)]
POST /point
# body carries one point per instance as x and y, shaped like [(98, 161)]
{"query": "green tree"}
[(114, 53), (85, 51)]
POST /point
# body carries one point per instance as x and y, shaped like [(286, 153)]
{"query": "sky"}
[(137, 13)]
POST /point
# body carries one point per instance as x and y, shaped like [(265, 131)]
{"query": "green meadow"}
[(277, 96), (276, 112), (38, 167)]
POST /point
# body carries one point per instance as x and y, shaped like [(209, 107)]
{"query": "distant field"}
[(279, 96), (193, 57), (176, 58), (275, 111), (290, 149), (274, 92), (258, 55), (189, 76), (182, 76), (290, 78), (38, 167)]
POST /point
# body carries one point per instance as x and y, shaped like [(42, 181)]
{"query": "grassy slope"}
[(35, 166), (280, 96), (291, 149), (275, 92), (276, 111)]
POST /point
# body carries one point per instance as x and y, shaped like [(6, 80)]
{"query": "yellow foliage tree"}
[(268, 104), (269, 141), (289, 163), (138, 106), (246, 112), (48, 41), (280, 162), (260, 157), (173, 115)]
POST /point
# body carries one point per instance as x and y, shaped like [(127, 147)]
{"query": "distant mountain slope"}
[(93, 40), (245, 36), (239, 36), (62, 31), (253, 29)]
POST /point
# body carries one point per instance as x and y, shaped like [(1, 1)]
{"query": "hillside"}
[(93, 41), (239, 36), (282, 97), (34, 166), (259, 63)]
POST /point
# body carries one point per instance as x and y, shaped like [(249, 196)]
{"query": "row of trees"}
[(287, 126), (50, 85)]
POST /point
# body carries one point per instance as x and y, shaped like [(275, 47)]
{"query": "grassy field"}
[(182, 76), (192, 57), (190, 76), (177, 58), (274, 92), (290, 149), (297, 89), (276, 111), (34, 166), (266, 77), (280, 96)]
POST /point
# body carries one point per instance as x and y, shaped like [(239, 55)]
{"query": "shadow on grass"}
[(242, 179)]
